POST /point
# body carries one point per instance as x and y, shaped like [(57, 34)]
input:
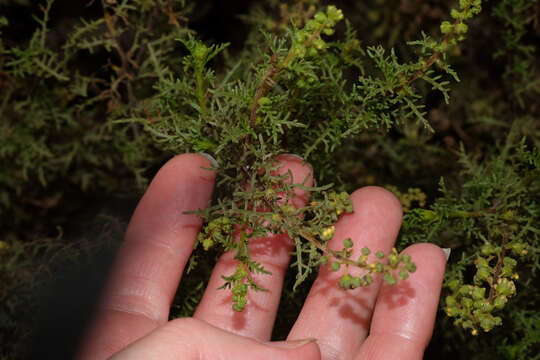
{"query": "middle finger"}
[(339, 319), (273, 252)]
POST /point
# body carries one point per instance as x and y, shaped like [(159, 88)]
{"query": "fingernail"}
[(291, 344), (447, 252), (210, 158), (294, 155)]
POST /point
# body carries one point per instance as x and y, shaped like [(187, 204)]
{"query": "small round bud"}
[(478, 293), (368, 279), (324, 260), (411, 267), (328, 232), (207, 243), (451, 300), (345, 282), (500, 301), (328, 31), (320, 17), (335, 266), (446, 27), (461, 28), (454, 284), (403, 275), (390, 279)]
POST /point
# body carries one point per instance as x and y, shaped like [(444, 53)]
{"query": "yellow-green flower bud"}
[(461, 28), (478, 293), (328, 31), (500, 301), (446, 27), (454, 284), (467, 302), (403, 275), (345, 282), (328, 232), (207, 243), (451, 300), (505, 287), (335, 266), (320, 17), (334, 13)]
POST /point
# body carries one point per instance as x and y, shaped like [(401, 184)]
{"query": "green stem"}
[(201, 88), (275, 68)]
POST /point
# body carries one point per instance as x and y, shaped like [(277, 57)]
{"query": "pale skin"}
[(378, 322)]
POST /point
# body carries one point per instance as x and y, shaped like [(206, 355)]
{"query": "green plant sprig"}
[(503, 236), (473, 305), (307, 39), (432, 53)]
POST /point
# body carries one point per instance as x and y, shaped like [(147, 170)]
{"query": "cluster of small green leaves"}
[(412, 196), (470, 304), (495, 217), (467, 9)]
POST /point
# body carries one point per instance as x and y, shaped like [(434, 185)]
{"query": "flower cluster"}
[(308, 39), (473, 305), (467, 9), (397, 266)]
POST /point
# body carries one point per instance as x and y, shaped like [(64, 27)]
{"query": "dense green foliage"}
[(397, 93)]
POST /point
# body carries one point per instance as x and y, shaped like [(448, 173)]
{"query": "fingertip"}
[(379, 199), (428, 256), (189, 164), (183, 183), (405, 312)]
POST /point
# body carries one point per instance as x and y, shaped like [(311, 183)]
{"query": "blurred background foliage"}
[(70, 173)]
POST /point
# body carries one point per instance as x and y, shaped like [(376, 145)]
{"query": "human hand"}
[(378, 322)]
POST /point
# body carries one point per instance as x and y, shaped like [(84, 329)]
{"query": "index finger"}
[(150, 262)]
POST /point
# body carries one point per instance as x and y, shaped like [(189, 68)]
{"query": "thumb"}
[(189, 338)]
